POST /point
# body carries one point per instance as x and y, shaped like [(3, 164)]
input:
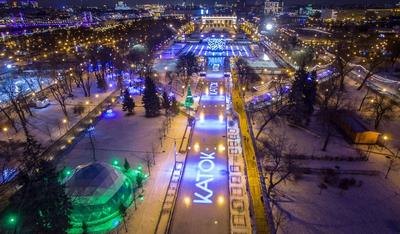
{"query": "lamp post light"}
[(66, 123), (5, 131)]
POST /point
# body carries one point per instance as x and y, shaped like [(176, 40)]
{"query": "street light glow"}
[(202, 117), (196, 146)]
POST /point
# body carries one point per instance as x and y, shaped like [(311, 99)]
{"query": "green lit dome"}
[(97, 191)]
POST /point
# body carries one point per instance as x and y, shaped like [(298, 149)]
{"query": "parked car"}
[(40, 103)]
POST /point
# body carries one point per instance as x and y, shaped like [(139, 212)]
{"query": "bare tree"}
[(280, 218), (18, 103), (393, 161), (58, 93), (79, 74), (343, 56), (278, 104), (7, 114), (269, 113), (330, 99), (382, 107), (278, 160), (363, 99), (372, 63)]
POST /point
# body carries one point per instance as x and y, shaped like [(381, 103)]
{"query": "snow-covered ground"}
[(132, 137), (47, 124), (373, 207)]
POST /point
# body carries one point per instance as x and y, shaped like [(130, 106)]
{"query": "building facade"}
[(273, 7)]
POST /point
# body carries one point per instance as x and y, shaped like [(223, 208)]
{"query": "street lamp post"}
[(90, 130), (175, 153)]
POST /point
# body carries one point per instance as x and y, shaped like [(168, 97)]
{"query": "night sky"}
[(134, 2)]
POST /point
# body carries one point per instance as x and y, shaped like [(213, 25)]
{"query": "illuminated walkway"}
[(251, 163), (202, 205)]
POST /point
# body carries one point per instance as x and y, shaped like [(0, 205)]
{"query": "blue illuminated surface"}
[(203, 49), (218, 98), (204, 183), (109, 114)]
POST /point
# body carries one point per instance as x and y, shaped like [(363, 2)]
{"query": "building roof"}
[(94, 183)]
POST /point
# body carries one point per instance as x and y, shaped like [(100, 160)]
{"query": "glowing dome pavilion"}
[(97, 191)]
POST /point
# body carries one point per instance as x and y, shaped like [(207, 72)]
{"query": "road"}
[(202, 203)]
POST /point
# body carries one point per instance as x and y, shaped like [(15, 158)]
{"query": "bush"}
[(344, 184)]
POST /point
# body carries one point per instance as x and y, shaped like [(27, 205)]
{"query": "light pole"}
[(175, 153), (90, 130)]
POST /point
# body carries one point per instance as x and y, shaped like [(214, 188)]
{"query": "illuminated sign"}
[(203, 177), (213, 88)]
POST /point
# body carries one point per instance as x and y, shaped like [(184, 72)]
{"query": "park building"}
[(274, 7), (98, 191)]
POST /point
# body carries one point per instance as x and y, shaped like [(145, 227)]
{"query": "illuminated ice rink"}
[(202, 205), (201, 49)]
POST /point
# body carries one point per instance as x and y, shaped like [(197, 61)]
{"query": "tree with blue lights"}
[(128, 103), (101, 58), (150, 99)]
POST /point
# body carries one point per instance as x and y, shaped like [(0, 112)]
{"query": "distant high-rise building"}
[(329, 14), (273, 7), (121, 6)]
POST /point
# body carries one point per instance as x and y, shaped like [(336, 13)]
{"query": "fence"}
[(56, 151)]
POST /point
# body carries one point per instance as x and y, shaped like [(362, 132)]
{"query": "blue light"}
[(109, 113), (210, 124), (115, 222)]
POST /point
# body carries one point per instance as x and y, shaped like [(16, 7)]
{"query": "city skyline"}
[(138, 2)]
